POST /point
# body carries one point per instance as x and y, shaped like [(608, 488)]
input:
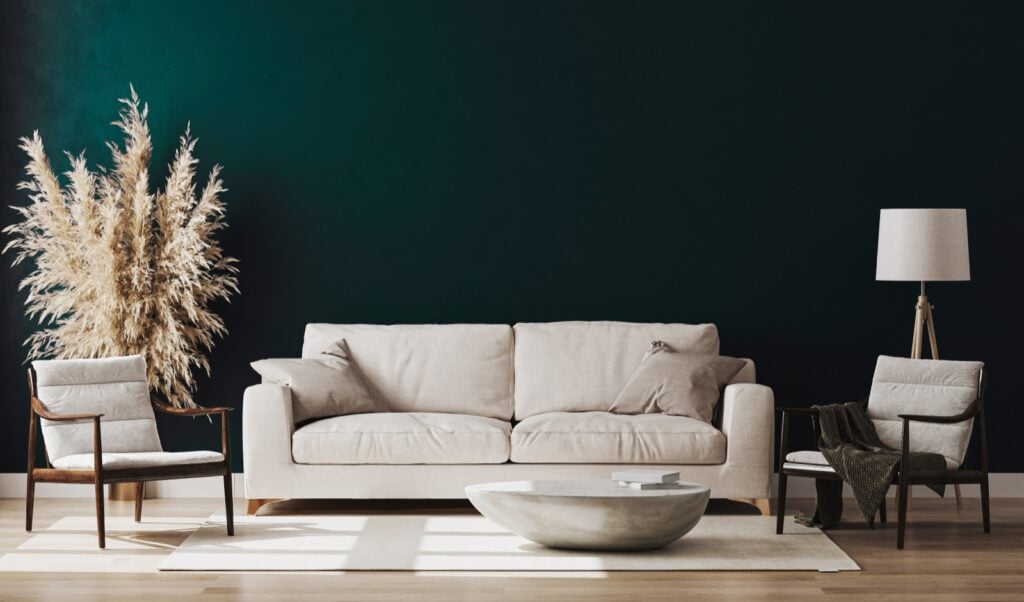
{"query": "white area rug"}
[(404, 541), (423, 542), (69, 545)]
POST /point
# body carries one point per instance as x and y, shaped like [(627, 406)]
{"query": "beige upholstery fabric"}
[(328, 385), (403, 438), (592, 437), (139, 459), (270, 472), (267, 427), (583, 366), (115, 387), (453, 368), (679, 384), (816, 458), (936, 387)]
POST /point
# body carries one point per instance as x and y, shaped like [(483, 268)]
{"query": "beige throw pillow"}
[(330, 385), (680, 384)]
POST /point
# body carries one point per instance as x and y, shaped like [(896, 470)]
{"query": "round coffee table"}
[(593, 514)]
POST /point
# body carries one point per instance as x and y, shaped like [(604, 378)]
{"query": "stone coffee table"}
[(592, 514)]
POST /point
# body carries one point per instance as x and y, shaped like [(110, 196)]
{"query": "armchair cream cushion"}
[(816, 458), (115, 387), (935, 387), (138, 459)]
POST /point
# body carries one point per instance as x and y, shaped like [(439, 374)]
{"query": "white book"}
[(646, 476), (648, 486)]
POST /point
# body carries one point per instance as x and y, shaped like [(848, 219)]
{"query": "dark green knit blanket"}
[(849, 442)]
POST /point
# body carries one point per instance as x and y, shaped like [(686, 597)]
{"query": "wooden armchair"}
[(76, 402), (900, 390)]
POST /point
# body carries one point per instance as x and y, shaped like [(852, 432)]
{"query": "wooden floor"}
[(947, 558)]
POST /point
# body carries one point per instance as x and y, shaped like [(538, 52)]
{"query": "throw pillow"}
[(680, 384), (330, 385)]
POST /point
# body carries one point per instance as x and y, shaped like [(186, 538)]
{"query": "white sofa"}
[(474, 403)]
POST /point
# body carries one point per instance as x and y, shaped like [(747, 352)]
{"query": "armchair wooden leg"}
[(901, 519), (140, 492), (780, 504), (881, 512), (30, 500), (986, 519), (101, 522), (229, 504)]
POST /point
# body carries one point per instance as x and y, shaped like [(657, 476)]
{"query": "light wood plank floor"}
[(947, 558)]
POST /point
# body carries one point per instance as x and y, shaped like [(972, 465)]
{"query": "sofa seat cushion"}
[(403, 438), (602, 437), (813, 459), (114, 461)]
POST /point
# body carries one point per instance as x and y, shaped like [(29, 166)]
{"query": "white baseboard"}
[(12, 485)]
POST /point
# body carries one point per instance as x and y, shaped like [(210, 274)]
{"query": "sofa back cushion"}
[(115, 387), (936, 387), (583, 366), (451, 368)]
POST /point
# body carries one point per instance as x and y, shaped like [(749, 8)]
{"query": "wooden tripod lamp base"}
[(923, 320)]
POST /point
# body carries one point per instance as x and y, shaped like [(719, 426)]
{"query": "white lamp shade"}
[(923, 245)]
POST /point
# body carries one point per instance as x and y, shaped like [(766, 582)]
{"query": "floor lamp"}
[(923, 245)]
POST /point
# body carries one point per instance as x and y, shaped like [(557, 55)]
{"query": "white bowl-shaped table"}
[(592, 514)]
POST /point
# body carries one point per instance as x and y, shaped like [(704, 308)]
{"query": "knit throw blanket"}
[(851, 445)]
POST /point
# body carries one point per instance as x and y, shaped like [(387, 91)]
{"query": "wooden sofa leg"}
[(762, 504), (256, 504), (140, 493)]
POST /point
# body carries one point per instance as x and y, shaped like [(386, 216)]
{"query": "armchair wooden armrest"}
[(223, 411), (967, 414), (40, 410), (796, 410), (173, 411)]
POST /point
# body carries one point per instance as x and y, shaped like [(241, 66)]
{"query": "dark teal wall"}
[(511, 161)]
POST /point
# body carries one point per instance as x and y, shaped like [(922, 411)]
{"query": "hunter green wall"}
[(518, 161)]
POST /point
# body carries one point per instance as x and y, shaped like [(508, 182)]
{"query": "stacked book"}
[(647, 479)]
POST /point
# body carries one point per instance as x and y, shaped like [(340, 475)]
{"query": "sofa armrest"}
[(267, 427), (748, 422)]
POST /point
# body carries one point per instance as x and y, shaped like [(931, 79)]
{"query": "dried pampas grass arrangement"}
[(121, 270)]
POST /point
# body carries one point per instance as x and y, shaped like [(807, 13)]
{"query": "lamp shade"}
[(923, 245)]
